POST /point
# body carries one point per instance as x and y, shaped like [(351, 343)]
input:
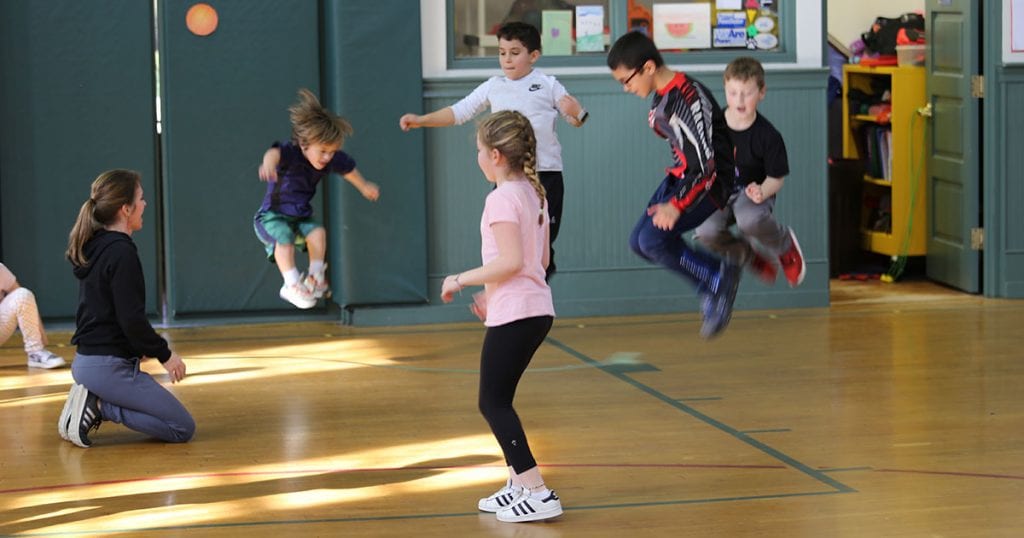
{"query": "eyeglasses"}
[(630, 77)]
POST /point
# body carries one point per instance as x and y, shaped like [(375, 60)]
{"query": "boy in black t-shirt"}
[(761, 166)]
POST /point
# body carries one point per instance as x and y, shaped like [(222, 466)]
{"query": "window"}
[(566, 28), (458, 38), (581, 27)]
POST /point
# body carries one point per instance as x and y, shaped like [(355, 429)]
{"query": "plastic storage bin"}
[(910, 54)]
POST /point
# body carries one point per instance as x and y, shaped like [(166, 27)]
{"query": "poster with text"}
[(682, 26)]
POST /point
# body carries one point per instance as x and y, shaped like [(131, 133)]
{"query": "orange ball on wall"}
[(201, 19)]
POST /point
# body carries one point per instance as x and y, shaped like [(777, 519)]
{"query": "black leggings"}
[(506, 354), (553, 184)]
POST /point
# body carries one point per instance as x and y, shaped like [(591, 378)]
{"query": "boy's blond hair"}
[(314, 124), (743, 69)]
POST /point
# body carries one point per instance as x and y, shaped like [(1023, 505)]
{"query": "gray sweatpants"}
[(133, 398), (754, 221)]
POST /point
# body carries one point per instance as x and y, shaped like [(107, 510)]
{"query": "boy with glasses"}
[(698, 183)]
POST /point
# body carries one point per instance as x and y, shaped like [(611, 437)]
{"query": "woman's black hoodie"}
[(111, 317)]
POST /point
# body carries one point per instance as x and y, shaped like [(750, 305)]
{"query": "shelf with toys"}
[(882, 128)]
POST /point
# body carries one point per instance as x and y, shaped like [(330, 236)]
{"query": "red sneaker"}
[(762, 267), (792, 260)]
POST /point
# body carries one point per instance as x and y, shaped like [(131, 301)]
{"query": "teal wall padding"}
[(612, 165), (372, 74), (76, 98), (225, 100)]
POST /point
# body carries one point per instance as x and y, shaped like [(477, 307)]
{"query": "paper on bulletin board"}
[(726, 37), (556, 39), (729, 4), (682, 26), (589, 28)]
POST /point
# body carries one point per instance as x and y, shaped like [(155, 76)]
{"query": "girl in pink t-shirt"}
[(515, 305)]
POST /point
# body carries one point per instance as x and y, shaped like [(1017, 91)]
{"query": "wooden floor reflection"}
[(874, 417)]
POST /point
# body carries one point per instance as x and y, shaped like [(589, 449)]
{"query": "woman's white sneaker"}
[(527, 508), (502, 498), (65, 414)]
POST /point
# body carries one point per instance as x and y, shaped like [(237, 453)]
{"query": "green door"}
[(954, 154)]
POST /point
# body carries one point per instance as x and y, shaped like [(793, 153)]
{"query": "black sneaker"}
[(717, 302), (85, 417)]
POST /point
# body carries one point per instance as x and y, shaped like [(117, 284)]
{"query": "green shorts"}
[(273, 228)]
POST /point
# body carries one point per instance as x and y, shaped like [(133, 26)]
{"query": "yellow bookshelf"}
[(907, 88)]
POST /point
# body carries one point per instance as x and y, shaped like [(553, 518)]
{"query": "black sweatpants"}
[(505, 355), (555, 188)]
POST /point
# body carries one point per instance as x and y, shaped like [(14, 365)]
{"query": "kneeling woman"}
[(112, 333)]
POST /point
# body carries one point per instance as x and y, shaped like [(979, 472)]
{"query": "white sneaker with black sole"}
[(526, 508), (502, 498)]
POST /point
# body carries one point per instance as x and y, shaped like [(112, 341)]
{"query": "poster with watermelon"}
[(682, 26)]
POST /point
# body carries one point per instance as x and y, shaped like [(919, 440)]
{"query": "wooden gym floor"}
[(884, 415)]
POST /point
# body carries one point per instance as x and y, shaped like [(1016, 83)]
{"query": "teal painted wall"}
[(76, 98), (1003, 168), (1004, 240), (612, 165)]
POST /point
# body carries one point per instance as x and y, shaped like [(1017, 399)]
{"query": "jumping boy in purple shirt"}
[(293, 169)]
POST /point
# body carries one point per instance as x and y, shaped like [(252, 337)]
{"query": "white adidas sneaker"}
[(502, 498), (65, 414), (526, 508)]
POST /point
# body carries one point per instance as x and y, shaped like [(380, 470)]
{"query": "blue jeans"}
[(132, 397), (668, 248)]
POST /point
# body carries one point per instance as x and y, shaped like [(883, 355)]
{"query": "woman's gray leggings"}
[(132, 397)]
